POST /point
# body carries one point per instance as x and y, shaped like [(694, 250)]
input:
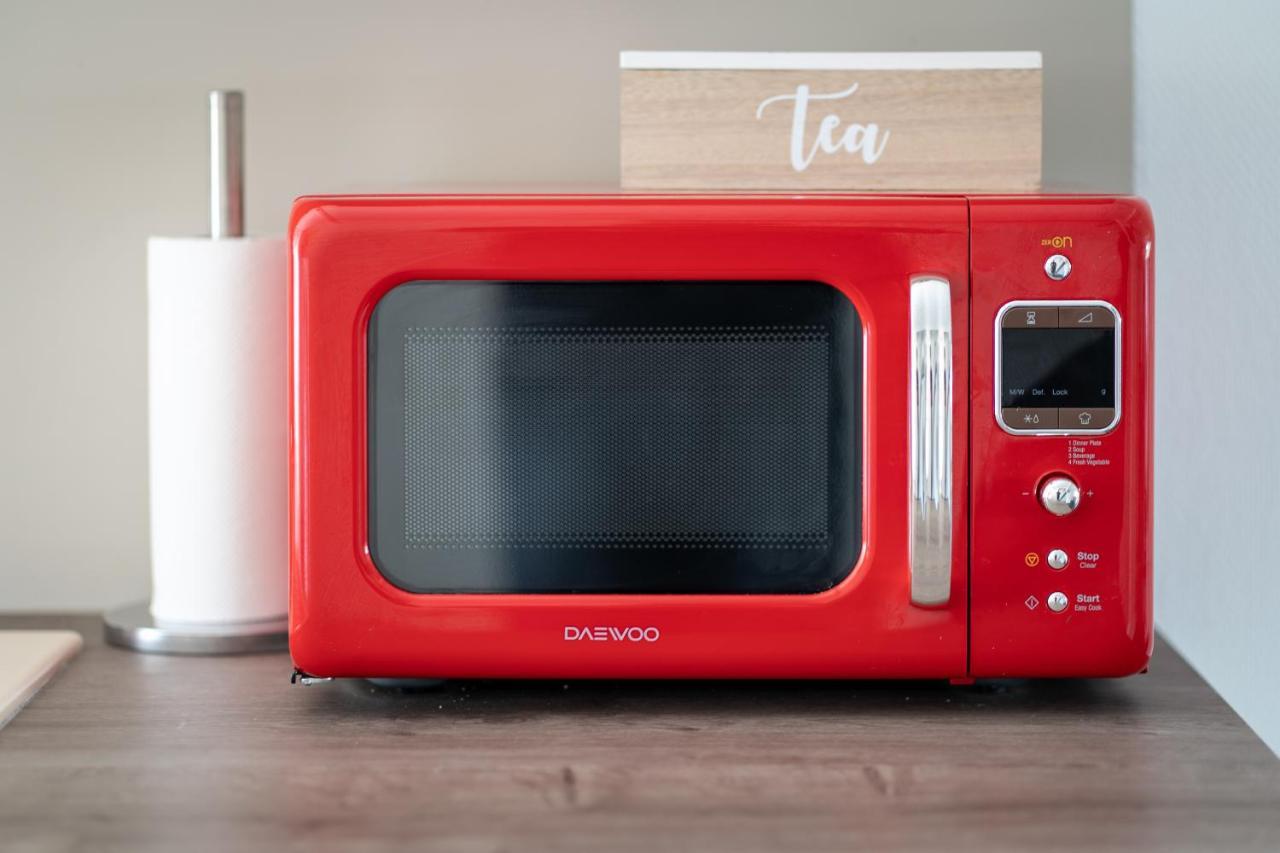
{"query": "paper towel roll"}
[(219, 429)]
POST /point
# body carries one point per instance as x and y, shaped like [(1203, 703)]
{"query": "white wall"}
[(1207, 157), (102, 142)]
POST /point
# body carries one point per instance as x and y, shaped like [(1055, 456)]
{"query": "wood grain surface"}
[(969, 130), (132, 752)]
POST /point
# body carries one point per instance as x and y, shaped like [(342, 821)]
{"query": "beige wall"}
[(102, 142), (1217, 214)]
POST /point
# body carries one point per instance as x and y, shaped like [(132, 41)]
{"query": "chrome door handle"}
[(929, 548)]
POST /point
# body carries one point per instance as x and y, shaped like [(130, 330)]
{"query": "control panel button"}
[(1031, 317), (1057, 602), (1086, 317), (1057, 267), (1057, 559), (1085, 418), (1060, 495), (1030, 419)]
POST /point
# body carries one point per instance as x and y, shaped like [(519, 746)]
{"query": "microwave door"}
[(638, 436)]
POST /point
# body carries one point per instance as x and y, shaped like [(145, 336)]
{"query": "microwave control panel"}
[(1060, 557), (1057, 367)]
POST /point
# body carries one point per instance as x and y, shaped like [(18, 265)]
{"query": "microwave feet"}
[(400, 684), (300, 677)]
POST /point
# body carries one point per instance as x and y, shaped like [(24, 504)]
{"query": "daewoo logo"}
[(612, 634)]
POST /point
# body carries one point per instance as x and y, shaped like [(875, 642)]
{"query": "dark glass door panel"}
[(536, 437)]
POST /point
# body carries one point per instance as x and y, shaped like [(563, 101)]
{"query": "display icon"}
[(1032, 558), (1031, 318), (1086, 418), (1094, 318), (1032, 602)]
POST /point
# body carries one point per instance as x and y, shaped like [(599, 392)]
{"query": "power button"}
[(1057, 267)]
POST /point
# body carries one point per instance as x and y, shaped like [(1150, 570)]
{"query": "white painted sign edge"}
[(690, 60)]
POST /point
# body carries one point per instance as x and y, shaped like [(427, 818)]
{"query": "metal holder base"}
[(133, 627)]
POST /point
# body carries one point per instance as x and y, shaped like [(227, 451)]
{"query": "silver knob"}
[(1057, 267), (1060, 495)]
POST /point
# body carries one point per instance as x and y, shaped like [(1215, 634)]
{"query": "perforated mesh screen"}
[(569, 437), (614, 437)]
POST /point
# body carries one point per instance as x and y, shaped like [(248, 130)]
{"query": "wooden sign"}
[(838, 121)]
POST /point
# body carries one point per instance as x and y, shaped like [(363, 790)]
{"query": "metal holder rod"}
[(226, 164)]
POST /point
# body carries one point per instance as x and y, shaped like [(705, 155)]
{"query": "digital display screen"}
[(1057, 367)]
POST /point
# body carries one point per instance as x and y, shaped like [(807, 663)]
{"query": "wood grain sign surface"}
[(925, 121)]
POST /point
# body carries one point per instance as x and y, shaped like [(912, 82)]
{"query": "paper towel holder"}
[(133, 626)]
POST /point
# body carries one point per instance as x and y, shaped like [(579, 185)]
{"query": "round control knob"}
[(1057, 602), (1057, 559), (1060, 495)]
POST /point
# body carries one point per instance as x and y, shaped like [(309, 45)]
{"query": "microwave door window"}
[(596, 437)]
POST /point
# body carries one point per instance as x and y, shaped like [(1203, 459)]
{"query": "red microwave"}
[(733, 436)]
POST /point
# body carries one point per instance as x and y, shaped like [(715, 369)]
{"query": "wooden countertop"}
[(134, 752)]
